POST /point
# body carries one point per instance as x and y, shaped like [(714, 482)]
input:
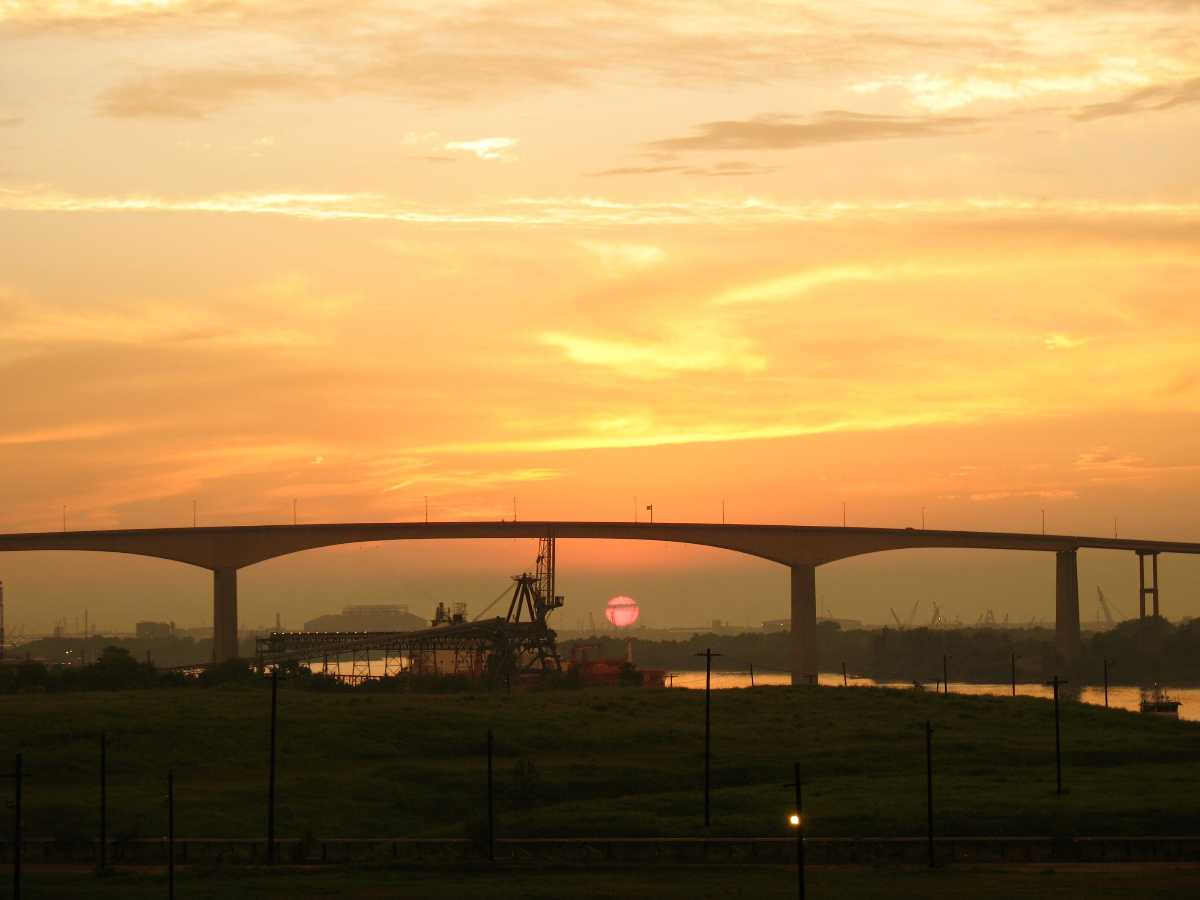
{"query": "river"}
[(1119, 696)]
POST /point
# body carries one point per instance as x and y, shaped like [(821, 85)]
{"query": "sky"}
[(595, 256)]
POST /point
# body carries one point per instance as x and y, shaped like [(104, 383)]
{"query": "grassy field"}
[(599, 762), (683, 883)]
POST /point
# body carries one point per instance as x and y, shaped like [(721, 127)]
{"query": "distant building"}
[(154, 629), (370, 617)]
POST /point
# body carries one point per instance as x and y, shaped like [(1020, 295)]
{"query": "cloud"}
[(698, 350), (1063, 342), (789, 286), (1040, 493), (200, 93), (939, 93), (618, 258), (733, 167), (494, 148), (1104, 464), (780, 132), (623, 432), (64, 434), (475, 479), (599, 211), (1156, 98)]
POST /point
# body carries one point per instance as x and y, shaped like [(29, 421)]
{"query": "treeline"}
[(115, 669), (1139, 652)]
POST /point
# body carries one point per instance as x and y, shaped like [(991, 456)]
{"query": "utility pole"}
[(945, 676), (18, 777), (929, 786), (1107, 662), (103, 800), (491, 806), (722, 512), (798, 822), (845, 677), (650, 509), (194, 517), (922, 518), (427, 510), (843, 513), (64, 517), (294, 516), (708, 655), (271, 778), (514, 509), (1014, 674), (170, 834), (1043, 521)]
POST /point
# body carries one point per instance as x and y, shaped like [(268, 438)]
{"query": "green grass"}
[(664, 883), (598, 762)]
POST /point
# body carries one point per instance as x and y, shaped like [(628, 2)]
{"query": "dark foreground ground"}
[(590, 763), (684, 883)]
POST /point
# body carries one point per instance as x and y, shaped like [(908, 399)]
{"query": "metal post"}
[(271, 781), (1057, 743), (708, 655), (171, 834), (491, 807), (103, 800), (799, 831), (707, 732), (929, 786), (1056, 683), (17, 842)]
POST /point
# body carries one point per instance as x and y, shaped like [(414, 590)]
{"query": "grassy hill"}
[(594, 762)]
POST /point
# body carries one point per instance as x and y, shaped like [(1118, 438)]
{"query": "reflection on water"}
[(1118, 697)]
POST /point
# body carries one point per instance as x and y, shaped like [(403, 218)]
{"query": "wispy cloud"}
[(621, 257), (471, 478), (697, 350), (589, 210), (65, 434), (1063, 342), (493, 148), (941, 93), (1155, 98), (730, 168), (782, 132), (624, 432)]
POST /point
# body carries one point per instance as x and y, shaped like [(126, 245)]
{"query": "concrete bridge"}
[(802, 548)]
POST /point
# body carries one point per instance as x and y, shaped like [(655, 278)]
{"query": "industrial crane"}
[(907, 623), (1106, 609)]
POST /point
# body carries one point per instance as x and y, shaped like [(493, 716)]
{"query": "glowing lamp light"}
[(622, 611), (794, 820)]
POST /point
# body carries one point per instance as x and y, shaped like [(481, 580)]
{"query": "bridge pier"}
[(804, 624), (1152, 590), (225, 640), (1066, 606)]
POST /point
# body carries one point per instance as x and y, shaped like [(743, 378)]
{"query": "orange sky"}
[(358, 253)]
